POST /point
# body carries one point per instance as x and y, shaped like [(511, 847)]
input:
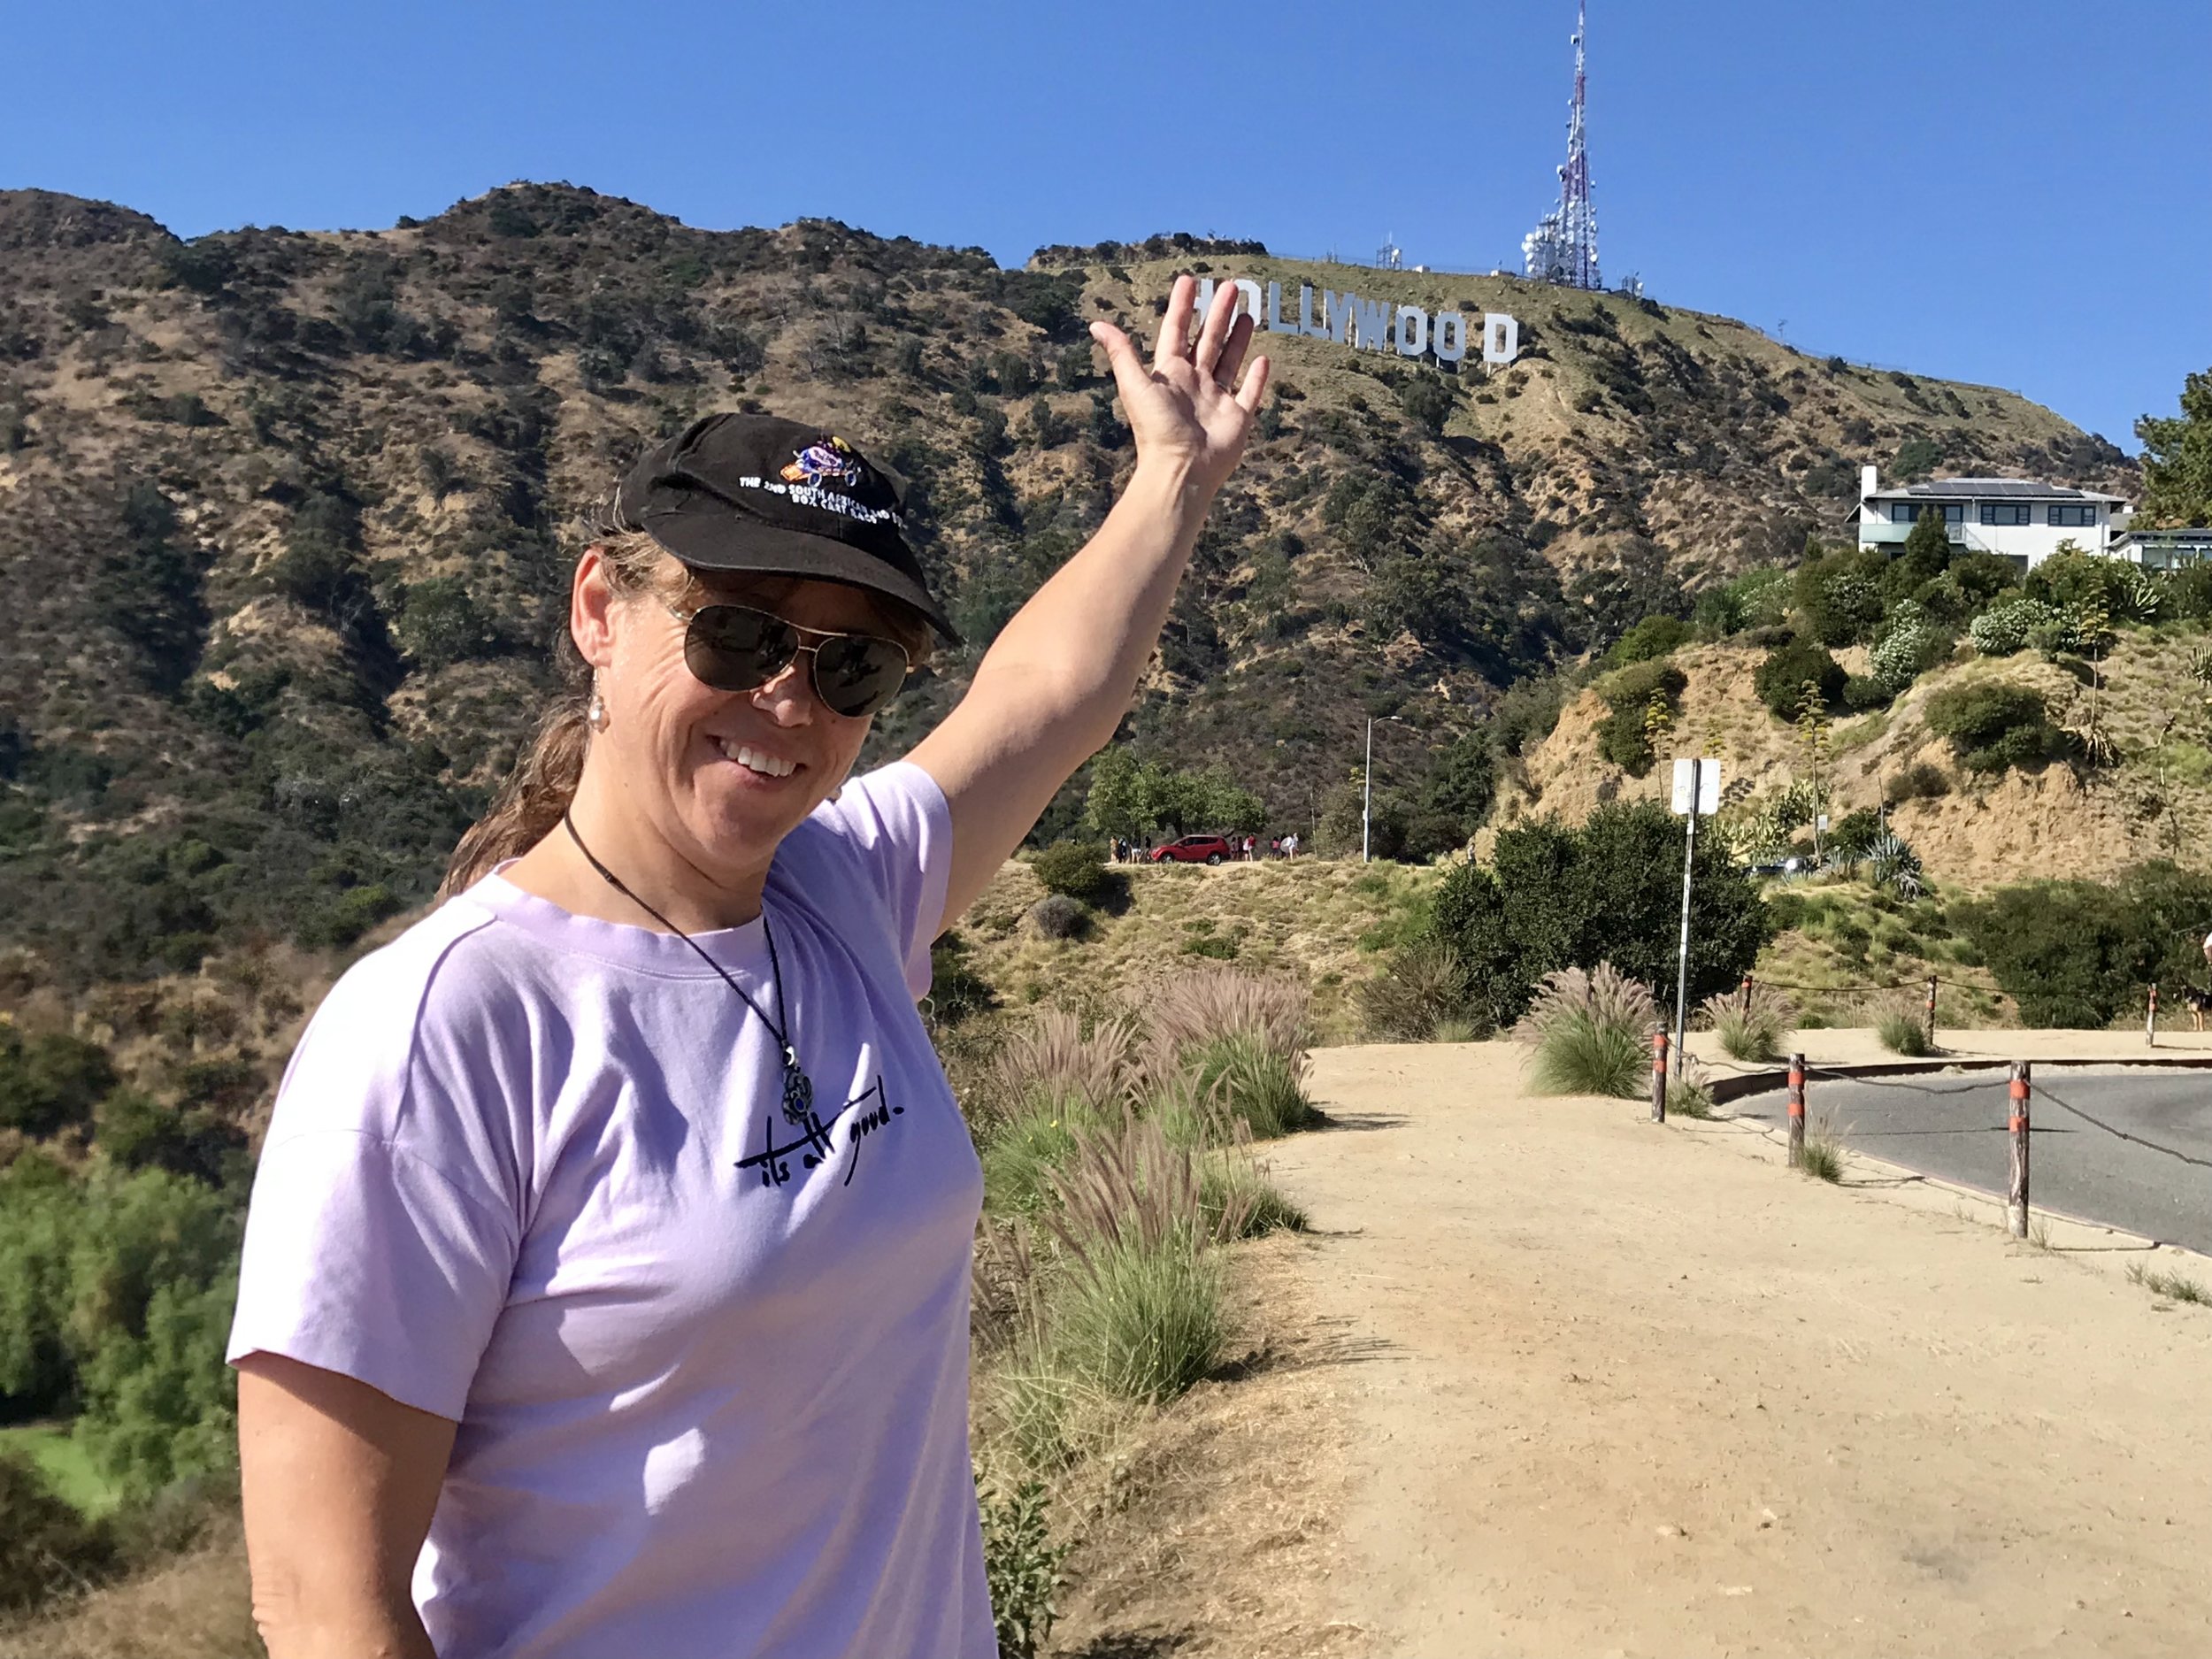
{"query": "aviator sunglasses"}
[(735, 648)]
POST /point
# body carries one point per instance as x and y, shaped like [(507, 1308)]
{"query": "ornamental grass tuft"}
[(1591, 1033), (1749, 1030)]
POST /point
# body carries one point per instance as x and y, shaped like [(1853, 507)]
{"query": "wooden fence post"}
[(1747, 994), (1931, 990), (2016, 1199), (2150, 1019), (1797, 1111), (1658, 1077)]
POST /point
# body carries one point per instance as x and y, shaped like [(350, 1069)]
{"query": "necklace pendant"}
[(798, 1089)]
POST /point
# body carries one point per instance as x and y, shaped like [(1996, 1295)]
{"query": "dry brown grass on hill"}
[(1306, 916), (197, 1607), (1985, 832)]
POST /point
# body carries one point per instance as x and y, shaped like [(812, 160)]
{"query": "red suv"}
[(1194, 849)]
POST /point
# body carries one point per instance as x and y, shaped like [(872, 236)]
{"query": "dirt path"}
[(1643, 1391)]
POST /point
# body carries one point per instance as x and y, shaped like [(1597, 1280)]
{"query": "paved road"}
[(1960, 1135)]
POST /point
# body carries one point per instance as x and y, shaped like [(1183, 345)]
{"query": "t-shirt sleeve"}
[(380, 1243), (899, 826)]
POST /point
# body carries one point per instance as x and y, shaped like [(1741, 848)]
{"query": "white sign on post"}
[(1708, 775)]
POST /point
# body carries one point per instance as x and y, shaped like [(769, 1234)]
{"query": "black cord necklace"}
[(798, 1088)]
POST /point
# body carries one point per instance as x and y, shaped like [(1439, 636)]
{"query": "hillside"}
[(287, 512), (1980, 832)]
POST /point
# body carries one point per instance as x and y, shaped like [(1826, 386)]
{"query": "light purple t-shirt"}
[(530, 1171)]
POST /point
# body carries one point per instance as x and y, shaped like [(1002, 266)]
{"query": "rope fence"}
[(2019, 1090)]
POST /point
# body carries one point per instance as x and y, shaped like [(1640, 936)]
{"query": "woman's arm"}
[(339, 1482), (1057, 681)]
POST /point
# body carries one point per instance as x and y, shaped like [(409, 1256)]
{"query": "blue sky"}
[(2017, 192)]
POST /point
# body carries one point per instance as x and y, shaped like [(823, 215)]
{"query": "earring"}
[(595, 712)]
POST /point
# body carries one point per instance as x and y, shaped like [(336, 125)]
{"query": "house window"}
[(1910, 511), (2007, 512), (2081, 518)]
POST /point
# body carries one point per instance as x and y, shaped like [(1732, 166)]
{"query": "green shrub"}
[(1630, 695), (1994, 725), (1021, 1151), (1021, 1563), (2075, 954), (49, 1081), (1076, 870), (1781, 678), (46, 1547), (2004, 628), (1653, 637), (1142, 1321), (1907, 650), (1610, 891), (1231, 1184), (1583, 1056), (1862, 692)]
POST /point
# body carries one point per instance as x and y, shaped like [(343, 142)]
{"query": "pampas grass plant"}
[(1590, 1033), (1753, 1031)]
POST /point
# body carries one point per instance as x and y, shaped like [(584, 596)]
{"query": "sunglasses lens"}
[(856, 675), (734, 648)]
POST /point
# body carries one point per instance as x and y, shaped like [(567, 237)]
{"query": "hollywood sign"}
[(1367, 325)]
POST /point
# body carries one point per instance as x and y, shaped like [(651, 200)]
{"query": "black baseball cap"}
[(770, 497)]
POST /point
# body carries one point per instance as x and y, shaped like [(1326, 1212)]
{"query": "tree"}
[(1115, 806), (1610, 891), (2177, 458)]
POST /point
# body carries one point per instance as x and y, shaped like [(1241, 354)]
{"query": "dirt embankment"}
[(1983, 832)]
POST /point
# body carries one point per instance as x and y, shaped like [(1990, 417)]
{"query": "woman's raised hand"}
[(1185, 407)]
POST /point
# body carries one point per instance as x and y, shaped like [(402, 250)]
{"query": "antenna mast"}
[(1564, 246)]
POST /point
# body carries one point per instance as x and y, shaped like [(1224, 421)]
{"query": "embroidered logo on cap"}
[(827, 459)]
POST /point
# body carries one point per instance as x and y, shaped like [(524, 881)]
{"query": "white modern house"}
[(2012, 517), (2163, 549)]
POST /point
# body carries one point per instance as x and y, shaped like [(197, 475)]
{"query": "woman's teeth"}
[(752, 760)]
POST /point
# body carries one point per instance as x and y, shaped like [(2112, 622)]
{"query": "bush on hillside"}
[(1781, 679), (2003, 629), (1076, 870), (1756, 599), (1910, 646), (1920, 781), (2079, 953), (1634, 697), (1056, 916), (1610, 891), (1840, 595), (1994, 725), (1654, 636), (46, 1547), (49, 1081)]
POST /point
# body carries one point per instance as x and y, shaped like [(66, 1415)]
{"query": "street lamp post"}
[(1367, 779)]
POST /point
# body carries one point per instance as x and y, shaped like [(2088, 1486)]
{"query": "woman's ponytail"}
[(532, 800)]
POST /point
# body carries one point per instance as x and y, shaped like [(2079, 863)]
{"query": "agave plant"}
[(1891, 863)]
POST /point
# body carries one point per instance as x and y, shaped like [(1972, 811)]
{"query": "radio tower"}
[(1564, 246)]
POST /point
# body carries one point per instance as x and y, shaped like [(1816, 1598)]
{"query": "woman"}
[(606, 1286)]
